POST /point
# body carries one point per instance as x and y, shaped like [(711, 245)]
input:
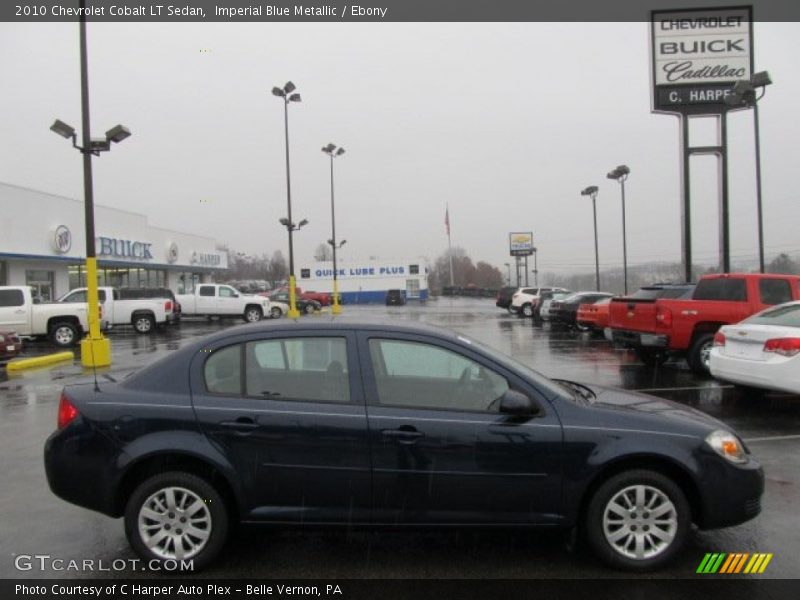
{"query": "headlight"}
[(727, 446)]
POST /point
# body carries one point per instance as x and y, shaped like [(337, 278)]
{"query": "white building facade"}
[(368, 281), (42, 244)]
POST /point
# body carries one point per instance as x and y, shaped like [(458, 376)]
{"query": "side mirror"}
[(517, 403)]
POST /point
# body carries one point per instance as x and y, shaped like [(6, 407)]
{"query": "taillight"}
[(663, 317), (783, 346), (168, 306), (719, 339), (66, 411)]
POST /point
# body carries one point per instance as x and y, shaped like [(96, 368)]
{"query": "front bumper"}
[(731, 493), (636, 339)]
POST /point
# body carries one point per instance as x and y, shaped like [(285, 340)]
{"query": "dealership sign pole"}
[(697, 57), (521, 244)]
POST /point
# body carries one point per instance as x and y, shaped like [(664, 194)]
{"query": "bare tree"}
[(323, 253)]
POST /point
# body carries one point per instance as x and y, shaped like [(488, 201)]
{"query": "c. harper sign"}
[(697, 57)]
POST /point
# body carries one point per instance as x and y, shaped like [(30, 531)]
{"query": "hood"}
[(658, 411)]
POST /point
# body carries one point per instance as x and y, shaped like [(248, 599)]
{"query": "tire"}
[(275, 312), (624, 512), (64, 334), (512, 310), (143, 323), (527, 310), (252, 314), (154, 539), (581, 327), (309, 308), (651, 357), (699, 354)]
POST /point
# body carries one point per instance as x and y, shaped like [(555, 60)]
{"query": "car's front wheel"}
[(637, 520), (275, 312), (176, 516)]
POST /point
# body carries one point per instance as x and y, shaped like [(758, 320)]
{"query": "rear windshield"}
[(719, 288), (784, 316), (652, 293)]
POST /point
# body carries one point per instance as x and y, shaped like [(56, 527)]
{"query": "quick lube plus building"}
[(42, 244), (368, 281)]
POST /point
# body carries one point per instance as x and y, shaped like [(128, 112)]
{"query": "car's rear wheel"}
[(176, 516), (651, 356), (64, 334), (253, 314), (143, 323), (637, 520), (699, 356)]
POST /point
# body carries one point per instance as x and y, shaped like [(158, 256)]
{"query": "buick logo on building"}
[(172, 252), (62, 239)]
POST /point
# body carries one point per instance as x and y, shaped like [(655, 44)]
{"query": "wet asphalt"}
[(34, 522)]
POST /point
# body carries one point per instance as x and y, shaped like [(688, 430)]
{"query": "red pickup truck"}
[(661, 327)]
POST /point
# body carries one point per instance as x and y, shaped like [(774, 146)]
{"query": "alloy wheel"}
[(174, 523), (640, 522)]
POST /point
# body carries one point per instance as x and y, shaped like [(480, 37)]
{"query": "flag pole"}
[(449, 242)]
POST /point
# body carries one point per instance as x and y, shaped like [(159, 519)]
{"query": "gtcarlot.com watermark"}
[(47, 562)]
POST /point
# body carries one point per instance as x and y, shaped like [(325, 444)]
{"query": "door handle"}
[(241, 424), (403, 436)]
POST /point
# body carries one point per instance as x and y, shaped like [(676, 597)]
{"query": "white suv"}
[(524, 301)]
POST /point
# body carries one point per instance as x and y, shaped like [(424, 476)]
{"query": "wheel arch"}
[(652, 462), (173, 460)]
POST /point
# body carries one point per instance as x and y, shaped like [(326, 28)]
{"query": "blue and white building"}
[(368, 281)]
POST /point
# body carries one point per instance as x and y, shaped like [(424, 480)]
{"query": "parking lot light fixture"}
[(591, 191), (286, 94), (620, 174), (117, 134), (333, 152), (62, 129)]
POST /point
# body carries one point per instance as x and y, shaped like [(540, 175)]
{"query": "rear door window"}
[(11, 298), (206, 290), (774, 291), (719, 288), (306, 369)]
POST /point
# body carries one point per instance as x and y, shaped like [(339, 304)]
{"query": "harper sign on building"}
[(697, 56), (520, 243)]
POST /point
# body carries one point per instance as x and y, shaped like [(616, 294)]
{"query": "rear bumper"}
[(777, 373), (638, 339), (78, 471)]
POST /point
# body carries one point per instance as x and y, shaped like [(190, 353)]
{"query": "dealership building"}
[(368, 281), (42, 244)]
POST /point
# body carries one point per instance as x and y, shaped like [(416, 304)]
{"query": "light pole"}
[(620, 174), (591, 191), (744, 95), (286, 92), (334, 152), (535, 268), (95, 349), (508, 278)]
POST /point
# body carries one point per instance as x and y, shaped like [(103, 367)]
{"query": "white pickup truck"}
[(143, 315), (213, 300), (64, 324)]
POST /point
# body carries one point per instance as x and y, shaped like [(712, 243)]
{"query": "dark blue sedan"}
[(380, 425)]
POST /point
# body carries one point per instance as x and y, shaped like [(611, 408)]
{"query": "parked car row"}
[(739, 327)]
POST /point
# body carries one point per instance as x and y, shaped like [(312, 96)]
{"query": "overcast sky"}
[(505, 122)]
